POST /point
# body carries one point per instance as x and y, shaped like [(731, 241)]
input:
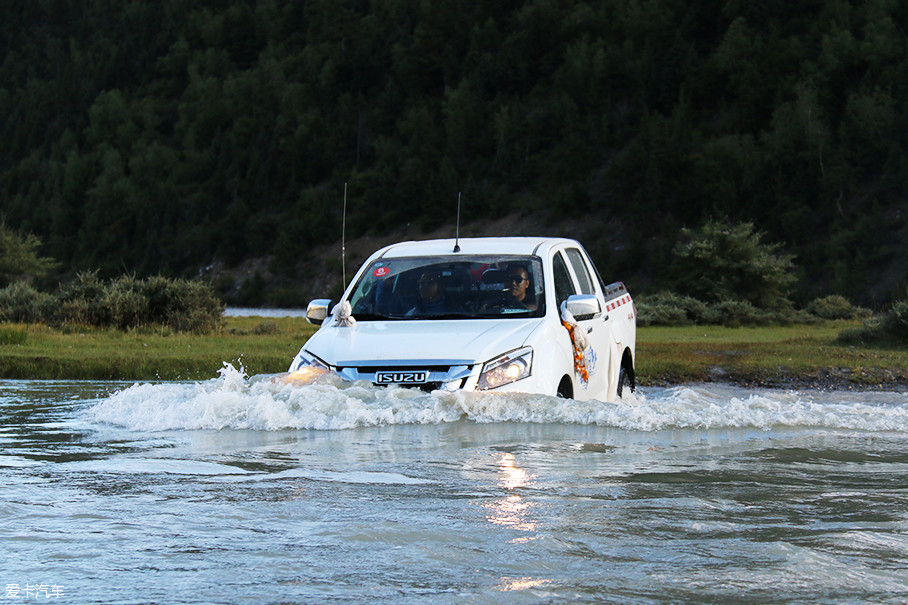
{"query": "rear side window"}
[(564, 285), (580, 270)]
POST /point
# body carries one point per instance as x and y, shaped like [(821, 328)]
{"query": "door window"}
[(580, 270), (564, 285)]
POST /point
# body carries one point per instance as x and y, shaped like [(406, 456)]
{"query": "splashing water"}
[(235, 401)]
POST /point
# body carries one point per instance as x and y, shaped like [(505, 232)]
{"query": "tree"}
[(19, 260), (721, 262)]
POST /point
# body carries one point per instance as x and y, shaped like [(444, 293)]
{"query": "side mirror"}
[(584, 306), (317, 311)]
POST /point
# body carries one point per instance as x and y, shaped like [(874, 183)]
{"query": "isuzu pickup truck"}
[(504, 314)]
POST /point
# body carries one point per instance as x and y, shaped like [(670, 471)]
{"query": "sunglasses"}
[(516, 279)]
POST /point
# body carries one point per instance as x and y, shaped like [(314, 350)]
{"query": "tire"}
[(625, 378), (565, 389)]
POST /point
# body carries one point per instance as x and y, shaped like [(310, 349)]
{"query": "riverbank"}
[(784, 357), (797, 357)]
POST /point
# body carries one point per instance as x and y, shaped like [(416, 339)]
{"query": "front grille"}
[(437, 376)]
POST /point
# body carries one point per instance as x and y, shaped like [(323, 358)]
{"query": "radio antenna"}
[(457, 230), (344, 240)]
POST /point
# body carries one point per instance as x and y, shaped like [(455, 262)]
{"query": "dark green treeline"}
[(160, 136)]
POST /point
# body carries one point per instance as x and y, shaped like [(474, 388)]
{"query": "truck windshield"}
[(455, 287)]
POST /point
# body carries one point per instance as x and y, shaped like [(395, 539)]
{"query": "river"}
[(235, 490)]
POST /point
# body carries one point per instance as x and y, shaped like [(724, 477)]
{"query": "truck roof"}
[(472, 245)]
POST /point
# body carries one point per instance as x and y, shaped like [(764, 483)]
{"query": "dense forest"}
[(159, 137)]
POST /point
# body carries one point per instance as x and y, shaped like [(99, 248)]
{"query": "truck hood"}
[(424, 342)]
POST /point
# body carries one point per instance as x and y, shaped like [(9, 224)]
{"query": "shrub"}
[(20, 302), (740, 312), (889, 328), (128, 302), (670, 309), (836, 307), (81, 301), (192, 306), (267, 326)]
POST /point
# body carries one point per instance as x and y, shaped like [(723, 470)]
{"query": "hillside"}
[(215, 137)]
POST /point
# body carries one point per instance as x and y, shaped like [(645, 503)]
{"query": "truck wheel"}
[(565, 389), (624, 379)]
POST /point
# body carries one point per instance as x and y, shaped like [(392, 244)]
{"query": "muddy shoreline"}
[(836, 379)]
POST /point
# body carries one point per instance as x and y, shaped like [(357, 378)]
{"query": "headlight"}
[(308, 369), (505, 369), (307, 359)]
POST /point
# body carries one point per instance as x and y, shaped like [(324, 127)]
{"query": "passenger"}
[(432, 298)]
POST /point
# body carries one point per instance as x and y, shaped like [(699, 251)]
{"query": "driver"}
[(516, 282)]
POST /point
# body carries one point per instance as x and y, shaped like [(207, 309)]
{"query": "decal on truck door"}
[(579, 360)]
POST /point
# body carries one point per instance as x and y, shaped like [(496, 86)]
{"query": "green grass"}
[(261, 346), (777, 355), (790, 355)]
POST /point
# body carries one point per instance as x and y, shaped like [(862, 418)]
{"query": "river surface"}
[(236, 490)]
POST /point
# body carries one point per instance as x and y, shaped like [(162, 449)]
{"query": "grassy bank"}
[(260, 345), (778, 356), (797, 356)]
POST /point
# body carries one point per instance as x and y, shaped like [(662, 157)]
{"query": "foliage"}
[(81, 300), (890, 327), (124, 303), (20, 302), (156, 137), (836, 307), (724, 263), (671, 309), (19, 256)]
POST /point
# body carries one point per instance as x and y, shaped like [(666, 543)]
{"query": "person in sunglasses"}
[(517, 286)]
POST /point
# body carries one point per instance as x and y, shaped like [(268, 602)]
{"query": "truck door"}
[(597, 356)]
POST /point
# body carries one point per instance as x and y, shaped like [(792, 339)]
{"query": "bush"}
[(81, 301), (889, 328), (265, 327), (836, 307), (740, 312), (670, 309), (191, 307), (20, 302), (128, 302)]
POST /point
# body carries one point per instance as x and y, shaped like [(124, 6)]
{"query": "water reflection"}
[(512, 511), (512, 584)]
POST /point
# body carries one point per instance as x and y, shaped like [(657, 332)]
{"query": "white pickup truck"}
[(486, 314)]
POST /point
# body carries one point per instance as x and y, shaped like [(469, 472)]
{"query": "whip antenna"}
[(344, 240), (457, 229)]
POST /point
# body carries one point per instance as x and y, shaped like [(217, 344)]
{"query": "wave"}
[(235, 401)]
